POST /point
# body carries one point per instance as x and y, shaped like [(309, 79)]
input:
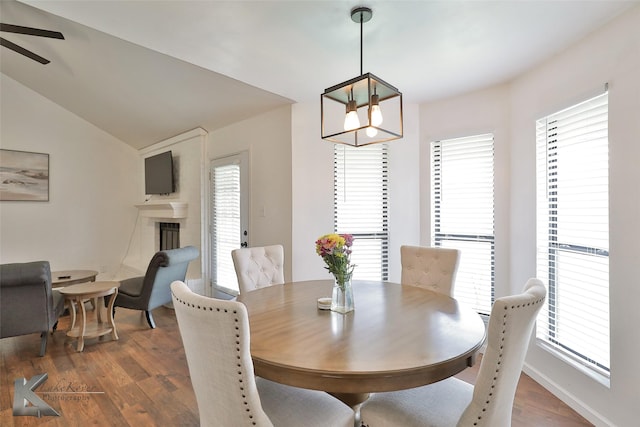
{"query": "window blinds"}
[(225, 224), (573, 231), (462, 204), (360, 206)]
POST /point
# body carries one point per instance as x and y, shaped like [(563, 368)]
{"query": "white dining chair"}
[(453, 402), (216, 338), (432, 268), (258, 267)]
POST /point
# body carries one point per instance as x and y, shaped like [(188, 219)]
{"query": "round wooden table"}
[(91, 290), (397, 337)]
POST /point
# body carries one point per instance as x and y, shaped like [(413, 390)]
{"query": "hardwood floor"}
[(143, 380)]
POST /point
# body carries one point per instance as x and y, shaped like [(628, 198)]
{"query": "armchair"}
[(153, 289), (27, 302), (453, 402), (216, 338)]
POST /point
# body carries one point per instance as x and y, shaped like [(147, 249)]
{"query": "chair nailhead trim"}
[(238, 355), (500, 355)]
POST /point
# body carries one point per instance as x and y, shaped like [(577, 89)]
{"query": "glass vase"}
[(342, 298)]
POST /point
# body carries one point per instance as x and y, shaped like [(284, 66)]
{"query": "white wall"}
[(481, 112), (611, 55), (187, 151), (312, 169), (93, 180), (267, 137)]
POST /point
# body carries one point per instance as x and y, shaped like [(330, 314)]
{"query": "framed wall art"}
[(24, 176)]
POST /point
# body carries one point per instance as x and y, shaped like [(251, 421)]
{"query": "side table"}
[(97, 291), (64, 278)]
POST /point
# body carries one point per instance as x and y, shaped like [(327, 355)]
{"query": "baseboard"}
[(561, 393)]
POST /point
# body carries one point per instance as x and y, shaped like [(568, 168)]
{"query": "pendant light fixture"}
[(363, 110)]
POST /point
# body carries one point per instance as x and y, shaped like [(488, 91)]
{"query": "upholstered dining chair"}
[(215, 335), (27, 302), (453, 402), (432, 268), (258, 267), (153, 289)]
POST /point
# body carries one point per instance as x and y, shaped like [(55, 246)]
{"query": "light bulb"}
[(351, 120), (376, 113), (371, 132)]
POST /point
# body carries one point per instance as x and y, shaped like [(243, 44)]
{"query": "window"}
[(573, 232), (360, 206), (462, 213), (228, 218)]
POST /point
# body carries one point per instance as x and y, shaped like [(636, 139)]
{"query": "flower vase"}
[(342, 298)]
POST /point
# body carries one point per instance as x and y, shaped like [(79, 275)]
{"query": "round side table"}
[(60, 279), (83, 292)]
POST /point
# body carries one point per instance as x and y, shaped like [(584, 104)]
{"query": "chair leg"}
[(43, 343), (55, 326), (150, 319)]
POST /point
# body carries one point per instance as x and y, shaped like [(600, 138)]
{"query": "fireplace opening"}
[(169, 235)]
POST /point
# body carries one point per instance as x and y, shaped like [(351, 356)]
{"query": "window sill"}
[(588, 371)]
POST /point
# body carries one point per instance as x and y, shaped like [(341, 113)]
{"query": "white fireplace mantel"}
[(163, 209)]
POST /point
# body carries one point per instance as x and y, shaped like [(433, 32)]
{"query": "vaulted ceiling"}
[(147, 70)]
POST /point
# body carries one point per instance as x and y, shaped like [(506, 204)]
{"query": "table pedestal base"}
[(351, 399)]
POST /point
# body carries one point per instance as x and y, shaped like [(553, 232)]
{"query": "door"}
[(229, 219)]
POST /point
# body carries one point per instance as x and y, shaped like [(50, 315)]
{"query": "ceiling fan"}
[(8, 28)]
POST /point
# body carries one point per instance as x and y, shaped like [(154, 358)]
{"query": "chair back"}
[(26, 299), (432, 268), (258, 267), (215, 335), (164, 268), (509, 332)]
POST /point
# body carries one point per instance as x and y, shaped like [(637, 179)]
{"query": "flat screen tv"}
[(158, 174)]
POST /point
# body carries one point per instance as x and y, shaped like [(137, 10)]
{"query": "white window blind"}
[(360, 206), (225, 224), (462, 200), (573, 231)]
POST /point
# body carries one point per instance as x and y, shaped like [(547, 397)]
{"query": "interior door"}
[(229, 218)]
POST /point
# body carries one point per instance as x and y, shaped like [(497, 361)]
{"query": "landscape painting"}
[(24, 176)]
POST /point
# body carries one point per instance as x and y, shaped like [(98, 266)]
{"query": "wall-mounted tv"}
[(158, 174)]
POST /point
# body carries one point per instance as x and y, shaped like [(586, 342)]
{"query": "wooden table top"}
[(71, 277), (397, 337), (90, 289)]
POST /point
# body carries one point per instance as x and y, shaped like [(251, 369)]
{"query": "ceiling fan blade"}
[(9, 28), (6, 43)]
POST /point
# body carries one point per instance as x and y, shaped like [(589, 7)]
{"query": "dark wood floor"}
[(143, 380)]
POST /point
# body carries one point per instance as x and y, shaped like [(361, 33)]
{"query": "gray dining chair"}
[(453, 402), (432, 268), (258, 267), (216, 338)]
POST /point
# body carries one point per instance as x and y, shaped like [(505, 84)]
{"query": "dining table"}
[(398, 337)]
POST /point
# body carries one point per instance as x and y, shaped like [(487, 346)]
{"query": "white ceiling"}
[(148, 70)]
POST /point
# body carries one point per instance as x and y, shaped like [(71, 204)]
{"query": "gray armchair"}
[(27, 302), (153, 290)]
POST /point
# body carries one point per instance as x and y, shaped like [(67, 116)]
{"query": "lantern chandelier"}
[(363, 110)]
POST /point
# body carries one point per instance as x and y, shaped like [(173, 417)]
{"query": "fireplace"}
[(169, 235)]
